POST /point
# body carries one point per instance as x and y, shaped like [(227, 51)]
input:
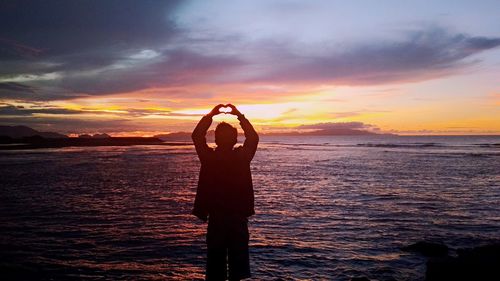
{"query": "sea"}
[(327, 208)]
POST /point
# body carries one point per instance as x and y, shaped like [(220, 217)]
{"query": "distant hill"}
[(18, 132), (326, 132), (40, 142), (186, 136), (177, 136), (183, 136), (96, 136)]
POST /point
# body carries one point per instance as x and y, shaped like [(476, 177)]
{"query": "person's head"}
[(226, 135)]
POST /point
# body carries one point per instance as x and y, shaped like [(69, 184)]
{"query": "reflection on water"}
[(327, 208)]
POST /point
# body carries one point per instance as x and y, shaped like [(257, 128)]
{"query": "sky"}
[(146, 67)]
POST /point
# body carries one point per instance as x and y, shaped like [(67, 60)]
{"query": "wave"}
[(387, 145), (403, 145), (495, 145)]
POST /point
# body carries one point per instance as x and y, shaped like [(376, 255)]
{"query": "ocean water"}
[(327, 208)]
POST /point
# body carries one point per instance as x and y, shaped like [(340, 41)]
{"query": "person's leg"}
[(216, 264), (238, 256), (216, 252)]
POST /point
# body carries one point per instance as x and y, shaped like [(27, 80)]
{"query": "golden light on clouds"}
[(419, 78)]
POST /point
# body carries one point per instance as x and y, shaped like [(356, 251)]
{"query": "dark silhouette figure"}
[(225, 194)]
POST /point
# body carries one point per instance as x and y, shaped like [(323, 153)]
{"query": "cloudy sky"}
[(144, 67)]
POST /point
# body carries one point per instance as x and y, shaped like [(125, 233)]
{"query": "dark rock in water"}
[(481, 263), (360, 279), (428, 249), (5, 139)]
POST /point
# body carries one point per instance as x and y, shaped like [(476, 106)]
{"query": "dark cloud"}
[(56, 50), (172, 68), (79, 43), (60, 27), (31, 93), (66, 125), (15, 88), (22, 111), (12, 110), (16, 111), (421, 55), (133, 112)]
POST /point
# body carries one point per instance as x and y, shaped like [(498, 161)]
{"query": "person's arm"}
[(251, 136), (200, 131)]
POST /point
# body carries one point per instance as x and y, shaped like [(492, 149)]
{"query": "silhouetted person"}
[(225, 194)]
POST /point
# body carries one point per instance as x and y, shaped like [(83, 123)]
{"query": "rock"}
[(480, 263), (428, 249)]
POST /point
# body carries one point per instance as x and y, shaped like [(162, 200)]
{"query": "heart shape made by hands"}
[(226, 109)]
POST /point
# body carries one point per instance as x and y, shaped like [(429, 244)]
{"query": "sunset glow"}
[(397, 68)]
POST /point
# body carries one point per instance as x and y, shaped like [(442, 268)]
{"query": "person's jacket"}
[(225, 182)]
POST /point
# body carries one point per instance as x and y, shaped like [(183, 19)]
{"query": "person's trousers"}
[(227, 245)]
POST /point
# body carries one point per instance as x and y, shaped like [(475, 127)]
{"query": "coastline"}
[(36, 143)]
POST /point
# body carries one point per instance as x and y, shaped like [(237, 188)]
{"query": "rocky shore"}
[(479, 263), (444, 263), (40, 142)]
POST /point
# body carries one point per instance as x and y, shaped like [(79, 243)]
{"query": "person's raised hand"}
[(216, 110), (234, 110)]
